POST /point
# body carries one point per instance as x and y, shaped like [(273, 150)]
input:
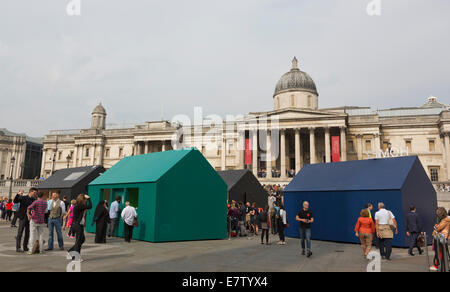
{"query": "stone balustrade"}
[(17, 185)]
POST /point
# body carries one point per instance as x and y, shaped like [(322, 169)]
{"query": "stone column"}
[(269, 155), (223, 154), (240, 150), (298, 156), (44, 160), (343, 145), (255, 151), (94, 148), (80, 155), (447, 151), (146, 147), (75, 154), (135, 149), (378, 143), (1, 162), (327, 145), (359, 146), (101, 154), (283, 153), (163, 147), (312, 145)]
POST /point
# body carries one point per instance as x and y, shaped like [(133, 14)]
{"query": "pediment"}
[(292, 113)]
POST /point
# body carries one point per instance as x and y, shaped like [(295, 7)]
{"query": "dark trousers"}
[(413, 242), (274, 224), (385, 247), (128, 232), (281, 230), (266, 233), (14, 220), (79, 237), (24, 226)]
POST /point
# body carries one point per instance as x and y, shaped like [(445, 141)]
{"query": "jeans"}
[(112, 226), (36, 233), (24, 226), (305, 235), (55, 223), (386, 247)]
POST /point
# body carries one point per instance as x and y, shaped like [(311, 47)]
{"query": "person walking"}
[(413, 229), (254, 218), (306, 218), (83, 204), (57, 210), (364, 229), (36, 215), (113, 216), (129, 216), (101, 219), (24, 224), (385, 224), (264, 224), (282, 224)]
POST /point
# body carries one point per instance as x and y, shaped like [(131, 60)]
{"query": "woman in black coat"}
[(101, 219)]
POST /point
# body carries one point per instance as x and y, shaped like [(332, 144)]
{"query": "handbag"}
[(135, 222), (391, 221)]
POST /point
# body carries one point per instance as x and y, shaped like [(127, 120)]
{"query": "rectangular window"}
[(107, 152), (106, 196), (408, 145), (120, 152), (351, 146), (431, 146), (87, 152), (385, 146), (368, 145), (59, 155), (434, 174)]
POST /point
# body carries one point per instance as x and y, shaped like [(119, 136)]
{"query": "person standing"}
[(69, 219), (128, 216), (101, 220), (24, 224), (364, 229), (15, 209), (8, 207), (242, 215), (36, 215), (57, 210), (306, 218), (264, 224), (413, 229), (113, 216), (385, 224), (83, 204), (443, 228), (282, 223)]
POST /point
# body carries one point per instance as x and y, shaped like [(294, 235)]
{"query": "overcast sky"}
[(150, 59)]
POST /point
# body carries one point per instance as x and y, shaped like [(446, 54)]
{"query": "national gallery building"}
[(297, 132)]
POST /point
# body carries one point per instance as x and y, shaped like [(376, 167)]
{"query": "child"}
[(69, 219)]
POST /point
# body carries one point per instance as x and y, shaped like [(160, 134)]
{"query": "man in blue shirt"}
[(114, 216)]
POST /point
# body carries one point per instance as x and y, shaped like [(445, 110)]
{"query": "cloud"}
[(138, 57)]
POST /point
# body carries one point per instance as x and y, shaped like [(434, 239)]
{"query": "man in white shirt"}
[(114, 216), (128, 216), (384, 230)]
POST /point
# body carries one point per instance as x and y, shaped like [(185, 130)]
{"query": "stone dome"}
[(99, 109), (295, 80)]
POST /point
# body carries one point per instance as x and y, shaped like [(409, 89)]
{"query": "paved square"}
[(236, 255)]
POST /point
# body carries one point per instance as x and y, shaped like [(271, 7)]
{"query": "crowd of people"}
[(36, 213), (443, 187), (380, 228)]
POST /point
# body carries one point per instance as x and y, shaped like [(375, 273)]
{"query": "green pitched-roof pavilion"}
[(178, 196)]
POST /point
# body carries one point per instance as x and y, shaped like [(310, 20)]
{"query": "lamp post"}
[(68, 158), (13, 160)]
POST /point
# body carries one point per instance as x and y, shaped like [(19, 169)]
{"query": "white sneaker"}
[(433, 268)]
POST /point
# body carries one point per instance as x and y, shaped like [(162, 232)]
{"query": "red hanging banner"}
[(248, 152), (336, 149)]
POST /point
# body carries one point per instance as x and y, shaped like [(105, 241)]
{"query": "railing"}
[(16, 186)]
